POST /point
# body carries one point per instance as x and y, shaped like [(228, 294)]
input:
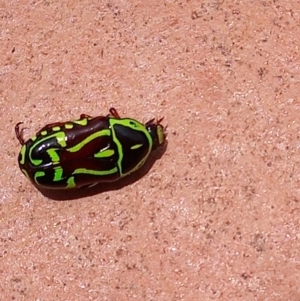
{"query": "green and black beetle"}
[(88, 151)]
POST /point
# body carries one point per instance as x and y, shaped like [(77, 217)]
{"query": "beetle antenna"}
[(19, 133), (114, 113)]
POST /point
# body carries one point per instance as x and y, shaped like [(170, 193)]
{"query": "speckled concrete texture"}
[(217, 215)]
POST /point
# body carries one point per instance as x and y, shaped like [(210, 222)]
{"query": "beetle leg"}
[(82, 116), (113, 112), (19, 133), (152, 121), (160, 120)]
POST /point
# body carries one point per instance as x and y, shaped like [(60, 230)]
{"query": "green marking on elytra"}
[(53, 155), (136, 126), (69, 126), (38, 174), (105, 153), (120, 151), (44, 133), (60, 138), (95, 172), (34, 161), (136, 146), (80, 145), (58, 172), (71, 183), (56, 128), (82, 122), (22, 153), (33, 138)]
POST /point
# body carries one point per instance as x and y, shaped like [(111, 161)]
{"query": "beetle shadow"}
[(78, 193)]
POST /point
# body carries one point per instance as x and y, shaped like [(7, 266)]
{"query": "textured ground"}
[(217, 215)]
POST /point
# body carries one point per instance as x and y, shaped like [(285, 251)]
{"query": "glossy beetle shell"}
[(87, 151)]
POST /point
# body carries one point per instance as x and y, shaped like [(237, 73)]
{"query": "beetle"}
[(87, 151)]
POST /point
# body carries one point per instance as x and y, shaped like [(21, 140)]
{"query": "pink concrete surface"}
[(217, 215)]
